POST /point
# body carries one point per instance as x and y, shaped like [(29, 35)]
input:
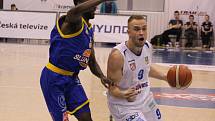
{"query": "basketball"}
[(179, 76)]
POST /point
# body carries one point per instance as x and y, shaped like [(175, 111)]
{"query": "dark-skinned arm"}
[(75, 13), (73, 22), (96, 70), (94, 67)]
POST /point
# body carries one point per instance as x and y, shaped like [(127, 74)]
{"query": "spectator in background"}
[(190, 31), (108, 7), (174, 28), (12, 40), (13, 7), (206, 32)]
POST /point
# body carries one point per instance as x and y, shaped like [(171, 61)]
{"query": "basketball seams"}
[(178, 86)]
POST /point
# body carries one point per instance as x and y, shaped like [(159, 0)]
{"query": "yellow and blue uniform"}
[(68, 54)]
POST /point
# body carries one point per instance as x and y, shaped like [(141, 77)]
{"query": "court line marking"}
[(189, 55)]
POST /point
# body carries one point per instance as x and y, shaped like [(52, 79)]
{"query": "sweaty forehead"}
[(138, 23)]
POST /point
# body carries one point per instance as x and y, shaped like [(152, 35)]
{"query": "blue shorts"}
[(63, 95)]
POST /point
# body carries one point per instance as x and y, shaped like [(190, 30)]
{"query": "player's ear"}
[(128, 31)]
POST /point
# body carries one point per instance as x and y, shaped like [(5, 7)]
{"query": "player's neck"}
[(134, 49), (87, 21)]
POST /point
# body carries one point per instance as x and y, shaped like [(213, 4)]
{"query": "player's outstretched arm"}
[(73, 20), (155, 73), (96, 70), (74, 14)]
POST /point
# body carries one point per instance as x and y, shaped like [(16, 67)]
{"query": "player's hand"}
[(130, 94), (132, 98), (107, 82)]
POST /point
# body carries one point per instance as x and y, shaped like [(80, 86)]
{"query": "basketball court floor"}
[(21, 98)]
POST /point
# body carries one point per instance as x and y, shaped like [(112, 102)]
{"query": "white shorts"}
[(147, 111)]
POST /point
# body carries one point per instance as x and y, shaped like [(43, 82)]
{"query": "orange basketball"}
[(179, 76)]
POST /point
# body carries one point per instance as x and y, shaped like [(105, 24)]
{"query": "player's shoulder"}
[(115, 54), (148, 45), (121, 47), (115, 59)]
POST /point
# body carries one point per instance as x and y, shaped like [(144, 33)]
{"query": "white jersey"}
[(135, 74)]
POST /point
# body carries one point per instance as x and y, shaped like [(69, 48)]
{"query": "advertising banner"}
[(40, 5), (14, 24)]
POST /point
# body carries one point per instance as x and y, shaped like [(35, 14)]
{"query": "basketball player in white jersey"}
[(129, 66)]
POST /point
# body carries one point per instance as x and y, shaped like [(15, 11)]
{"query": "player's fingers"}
[(130, 93), (133, 96), (133, 92)]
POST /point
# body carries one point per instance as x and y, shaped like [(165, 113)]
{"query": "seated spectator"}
[(174, 28), (13, 40), (206, 32), (13, 7), (190, 31), (108, 7)]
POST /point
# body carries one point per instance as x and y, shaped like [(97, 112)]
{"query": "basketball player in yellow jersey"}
[(129, 65)]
